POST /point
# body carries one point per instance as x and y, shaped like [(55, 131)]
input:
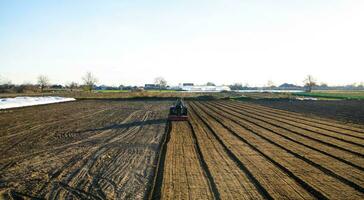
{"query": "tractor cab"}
[(178, 112)]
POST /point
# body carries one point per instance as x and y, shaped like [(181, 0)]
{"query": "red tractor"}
[(178, 112)]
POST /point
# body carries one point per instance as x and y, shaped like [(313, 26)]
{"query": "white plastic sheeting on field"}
[(30, 101), (204, 88), (306, 98), (271, 91)]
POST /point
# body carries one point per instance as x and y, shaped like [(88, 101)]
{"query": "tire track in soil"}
[(136, 178), (60, 147), (140, 175), (77, 116), (37, 132), (54, 193), (325, 170), (85, 120), (75, 180), (131, 158), (48, 122)]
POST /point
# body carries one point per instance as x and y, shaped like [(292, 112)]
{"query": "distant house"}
[(105, 87), (101, 87), (56, 87), (187, 84), (151, 86), (288, 86), (137, 89)]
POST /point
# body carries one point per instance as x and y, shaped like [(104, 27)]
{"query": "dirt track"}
[(245, 151), (84, 149)]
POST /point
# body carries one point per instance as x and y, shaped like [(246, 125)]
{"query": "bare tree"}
[(72, 86), (4, 81), (310, 82), (270, 84), (236, 86), (43, 82), (4, 85), (89, 80), (361, 84), (324, 85), (161, 82)]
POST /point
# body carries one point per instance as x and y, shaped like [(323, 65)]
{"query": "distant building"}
[(288, 86), (105, 87), (151, 86), (190, 87), (137, 89)]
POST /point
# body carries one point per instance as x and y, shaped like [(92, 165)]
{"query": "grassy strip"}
[(112, 91), (117, 91), (332, 95)]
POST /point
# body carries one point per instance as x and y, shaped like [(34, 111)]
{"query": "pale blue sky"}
[(227, 41)]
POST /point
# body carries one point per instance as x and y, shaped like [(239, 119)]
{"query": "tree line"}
[(309, 83), (43, 82), (89, 82)]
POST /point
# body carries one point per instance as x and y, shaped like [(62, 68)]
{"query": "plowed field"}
[(235, 150), (81, 150), (104, 149)]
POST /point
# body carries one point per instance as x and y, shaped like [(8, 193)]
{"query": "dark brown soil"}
[(81, 150), (239, 150), (348, 111), (99, 149)]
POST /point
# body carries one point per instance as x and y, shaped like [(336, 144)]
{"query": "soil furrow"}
[(306, 134), (349, 138), (290, 174), (302, 120), (336, 153), (231, 180), (243, 168), (335, 168), (316, 120), (212, 184), (308, 161)]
